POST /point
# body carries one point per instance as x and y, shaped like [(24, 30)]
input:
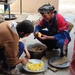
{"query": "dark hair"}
[(46, 8), (25, 26)]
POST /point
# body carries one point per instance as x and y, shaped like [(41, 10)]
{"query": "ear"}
[(21, 33)]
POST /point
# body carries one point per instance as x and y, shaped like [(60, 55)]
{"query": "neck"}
[(52, 15)]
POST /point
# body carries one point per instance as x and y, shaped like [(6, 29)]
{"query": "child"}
[(10, 46)]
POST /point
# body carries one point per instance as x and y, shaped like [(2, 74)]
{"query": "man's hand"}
[(35, 34), (43, 37)]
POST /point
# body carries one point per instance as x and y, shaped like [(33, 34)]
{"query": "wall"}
[(31, 6)]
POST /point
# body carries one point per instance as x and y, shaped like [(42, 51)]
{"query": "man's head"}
[(25, 28), (47, 11)]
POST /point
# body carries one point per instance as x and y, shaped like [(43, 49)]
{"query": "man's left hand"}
[(43, 37)]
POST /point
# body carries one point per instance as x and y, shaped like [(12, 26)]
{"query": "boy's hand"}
[(24, 61)]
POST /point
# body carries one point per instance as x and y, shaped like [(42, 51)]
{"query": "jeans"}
[(3, 58), (53, 43), (49, 43)]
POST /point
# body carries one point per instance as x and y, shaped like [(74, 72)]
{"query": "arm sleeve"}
[(61, 23), (11, 53), (39, 26)]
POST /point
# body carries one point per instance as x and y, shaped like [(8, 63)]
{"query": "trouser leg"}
[(64, 50), (49, 43), (3, 58)]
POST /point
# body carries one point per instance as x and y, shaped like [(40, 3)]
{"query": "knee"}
[(60, 44)]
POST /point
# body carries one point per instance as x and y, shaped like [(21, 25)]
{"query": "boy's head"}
[(24, 28), (46, 11)]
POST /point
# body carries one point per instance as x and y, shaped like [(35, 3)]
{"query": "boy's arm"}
[(27, 53)]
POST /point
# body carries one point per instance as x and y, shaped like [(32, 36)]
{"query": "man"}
[(56, 32), (10, 46)]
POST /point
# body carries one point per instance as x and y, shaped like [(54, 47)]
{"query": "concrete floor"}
[(70, 16), (30, 40)]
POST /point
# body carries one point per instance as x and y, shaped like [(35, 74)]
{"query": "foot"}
[(14, 72), (64, 52), (62, 55)]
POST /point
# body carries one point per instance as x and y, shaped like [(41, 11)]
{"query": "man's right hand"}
[(35, 34)]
